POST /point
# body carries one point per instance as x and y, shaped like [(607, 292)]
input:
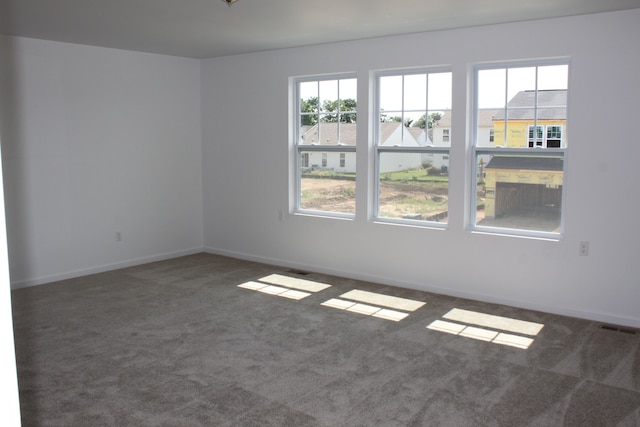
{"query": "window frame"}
[(427, 149), (540, 151), (300, 149)]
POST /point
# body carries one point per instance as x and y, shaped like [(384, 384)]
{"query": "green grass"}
[(418, 176), (329, 175)]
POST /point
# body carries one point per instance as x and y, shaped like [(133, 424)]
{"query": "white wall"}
[(246, 174), (97, 141)]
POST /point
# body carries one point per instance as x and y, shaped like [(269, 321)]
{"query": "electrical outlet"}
[(583, 249), (118, 236)]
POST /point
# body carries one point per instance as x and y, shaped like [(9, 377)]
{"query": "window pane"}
[(415, 92), (519, 192), (490, 129), (439, 128), (492, 88), (553, 77), (414, 186), (308, 97), (348, 89), (492, 92), (440, 91), (326, 185), (415, 120), (328, 95), (390, 93), (521, 79)]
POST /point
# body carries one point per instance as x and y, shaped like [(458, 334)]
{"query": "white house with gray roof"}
[(344, 134)]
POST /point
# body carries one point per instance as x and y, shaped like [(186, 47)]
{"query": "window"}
[(519, 178), (552, 138), (535, 141), (412, 145), (325, 140)]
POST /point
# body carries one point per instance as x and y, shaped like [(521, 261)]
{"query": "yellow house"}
[(517, 183)]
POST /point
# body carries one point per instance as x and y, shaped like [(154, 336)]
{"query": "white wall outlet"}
[(583, 249), (118, 236)]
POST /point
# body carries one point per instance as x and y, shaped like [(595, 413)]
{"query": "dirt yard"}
[(396, 199)]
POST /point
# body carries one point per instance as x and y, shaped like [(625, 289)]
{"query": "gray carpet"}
[(178, 343)]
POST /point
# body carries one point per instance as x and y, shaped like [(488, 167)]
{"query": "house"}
[(551, 120), (344, 134), (485, 129), (511, 181), (180, 152)]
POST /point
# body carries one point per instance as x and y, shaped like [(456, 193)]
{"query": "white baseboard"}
[(102, 268), (562, 311)]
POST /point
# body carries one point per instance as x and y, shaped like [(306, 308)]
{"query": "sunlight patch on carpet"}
[(397, 303), (358, 306), (488, 328), (284, 286), (497, 322), (294, 283)]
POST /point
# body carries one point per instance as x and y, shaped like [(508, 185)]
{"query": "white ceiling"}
[(209, 28)]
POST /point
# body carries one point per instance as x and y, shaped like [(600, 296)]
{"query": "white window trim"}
[(379, 149), (299, 149), (475, 151)]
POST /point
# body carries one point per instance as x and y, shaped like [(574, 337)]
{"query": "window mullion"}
[(535, 113)]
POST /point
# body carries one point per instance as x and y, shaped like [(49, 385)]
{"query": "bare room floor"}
[(180, 343)]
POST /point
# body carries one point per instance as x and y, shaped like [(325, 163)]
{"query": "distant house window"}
[(324, 122), (554, 136), (519, 180), (491, 136), (535, 140), (411, 168)]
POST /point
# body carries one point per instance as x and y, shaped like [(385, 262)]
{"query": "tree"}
[(309, 106), (427, 121), (385, 118), (346, 110), (349, 104), (421, 122)]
